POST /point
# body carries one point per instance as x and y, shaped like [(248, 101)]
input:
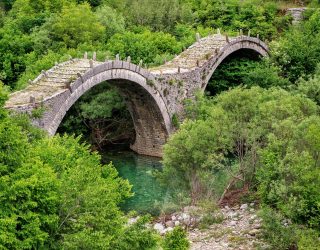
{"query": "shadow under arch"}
[(253, 46)]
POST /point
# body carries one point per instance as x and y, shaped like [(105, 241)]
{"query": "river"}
[(139, 170)]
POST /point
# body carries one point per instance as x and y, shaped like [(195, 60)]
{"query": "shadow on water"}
[(139, 170)]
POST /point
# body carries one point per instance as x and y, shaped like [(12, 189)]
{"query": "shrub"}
[(176, 240), (275, 233)]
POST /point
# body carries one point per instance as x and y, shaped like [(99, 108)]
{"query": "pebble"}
[(233, 223), (244, 207), (169, 223), (254, 232), (159, 227)]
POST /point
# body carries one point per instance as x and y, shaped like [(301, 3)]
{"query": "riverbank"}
[(240, 229), (236, 227)]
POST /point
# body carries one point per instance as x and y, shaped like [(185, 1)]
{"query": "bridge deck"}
[(52, 82), (60, 77), (195, 56)]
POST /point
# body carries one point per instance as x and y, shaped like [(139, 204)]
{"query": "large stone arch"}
[(153, 97), (243, 42), (148, 110)]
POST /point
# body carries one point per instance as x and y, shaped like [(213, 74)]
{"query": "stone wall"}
[(296, 13)]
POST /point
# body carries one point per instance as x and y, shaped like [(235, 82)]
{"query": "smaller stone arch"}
[(248, 43)]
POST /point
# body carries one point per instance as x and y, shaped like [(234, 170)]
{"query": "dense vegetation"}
[(259, 130)]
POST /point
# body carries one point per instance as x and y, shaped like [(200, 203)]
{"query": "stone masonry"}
[(153, 96)]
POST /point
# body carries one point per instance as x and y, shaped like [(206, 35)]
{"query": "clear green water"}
[(139, 170)]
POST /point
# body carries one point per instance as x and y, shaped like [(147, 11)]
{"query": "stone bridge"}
[(153, 96)]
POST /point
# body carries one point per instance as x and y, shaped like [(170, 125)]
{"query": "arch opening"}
[(233, 70), (101, 117), (144, 104)]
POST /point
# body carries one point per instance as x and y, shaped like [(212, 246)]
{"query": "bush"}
[(222, 146), (311, 87), (289, 176), (176, 240), (136, 237), (308, 239), (297, 53), (143, 46), (275, 233)]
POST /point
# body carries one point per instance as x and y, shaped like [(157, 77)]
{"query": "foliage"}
[(137, 236), (275, 232), (158, 16), (143, 46), (113, 21), (101, 116), (76, 24), (257, 16), (308, 239), (51, 193), (223, 144), (176, 240), (293, 149), (280, 233), (311, 87), (297, 52)]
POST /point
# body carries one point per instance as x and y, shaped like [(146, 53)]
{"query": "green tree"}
[(311, 87), (143, 46), (289, 172), (297, 53), (112, 20), (75, 24), (223, 143), (158, 16)]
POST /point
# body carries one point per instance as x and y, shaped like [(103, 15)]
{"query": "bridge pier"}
[(151, 133)]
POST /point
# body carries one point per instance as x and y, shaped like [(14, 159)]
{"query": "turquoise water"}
[(139, 170)]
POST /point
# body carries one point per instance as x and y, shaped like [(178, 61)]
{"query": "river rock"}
[(233, 223), (254, 232), (159, 227), (233, 215), (177, 223), (244, 207), (169, 223), (133, 220), (185, 216)]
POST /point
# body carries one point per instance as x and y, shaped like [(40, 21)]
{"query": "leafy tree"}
[(158, 16), (293, 149), (297, 52), (257, 16), (311, 87), (143, 46), (101, 116), (76, 24), (112, 20), (225, 139)]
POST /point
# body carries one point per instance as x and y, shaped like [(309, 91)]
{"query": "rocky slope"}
[(236, 227)]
